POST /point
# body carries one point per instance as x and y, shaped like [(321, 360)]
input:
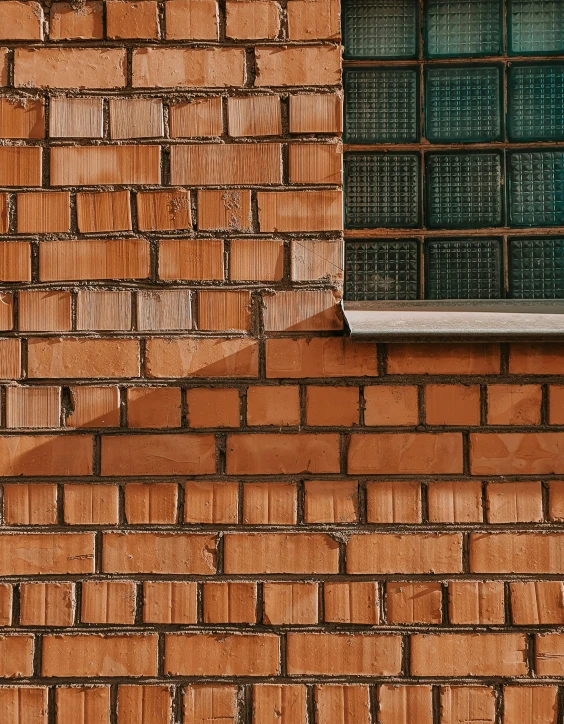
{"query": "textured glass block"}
[(381, 189), (536, 26), (463, 104), (380, 28), (463, 190), (536, 269), (463, 27), (536, 103), (380, 270), (381, 106), (463, 269), (536, 188)]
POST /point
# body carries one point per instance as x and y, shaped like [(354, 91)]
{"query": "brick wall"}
[(216, 507)]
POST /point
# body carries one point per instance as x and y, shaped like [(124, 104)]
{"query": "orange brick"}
[(202, 358), (199, 118), (230, 602), (32, 554), (249, 20), (83, 705), (68, 24), (20, 165), (30, 504), (290, 603), (548, 654), (280, 553), (158, 553), (93, 655), (476, 602), (536, 359), (102, 310), (405, 704), (108, 602), (515, 553), (256, 260), (188, 67), (331, 502), (164, 310), (70, 68), (136, 117), (226, 164), (414, 602), (6, 311), (270, 504), (517, 454), (169, 602), (192, 20), (24, 704), (85, 260), (33, 407), (104, 165), (452, 405), (224, 210), (226, 655), (328, 406), (45, 455), (442, 359), (328, 357), (210, 502), (459, 502), (52, 357), (514, 404), (537, 603), (424, 553), (94, 407), (316, 260), (170, 454), (191, 259), (21, 20), (213, 408), (514, 502), (397, 454), (398, 502), (279, 702), (132, 19), (103, 211), (164, 210), (224, 311), (15, 261), (144, 704), (273, 454), (91, 504), (351, 603), (22, 118), (44, 311), (5, 261), (301, 311), (484, 654), (282, 211), (298, 66), (342, 704), (76, 117), (314, 22), (47, 604), (315, 113), (556, 500), (16, 656), (43, 212), (279, 406), (556, 406), (391, 406), (153, 407), (151, 503), (254, 115), (530, 705), (467, 703), (315, 163), (204, 703), (6, 598)]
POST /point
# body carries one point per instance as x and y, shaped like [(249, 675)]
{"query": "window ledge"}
[(504, 318)]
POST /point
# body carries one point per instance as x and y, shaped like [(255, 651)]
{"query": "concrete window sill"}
[(514, 319)]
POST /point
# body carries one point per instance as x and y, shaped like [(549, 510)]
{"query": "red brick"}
[(83, 705), (213, 408), (270, 504), (158, 553), (33, 407), (442, 359), (103, 211), (131, 19), (459, 502), (105, 165), (382, 553), (171, 454), (517, 454), (224, 311), (169, 602), (15, 261), (21, 20), (536, 359), (108, 602), (164, 210), (315, 113), (191, 259), (315, 163), (298, 66), (224, 210), (336, 704), (230, 602), (290, 603), (20, 165), (467, 703), (70, 68), (537, 603), (144, 704), (21, 117), (44, 311), (32, 554), (254, 115), (33, 504), (221, 164), (210, 502), (47, 604), (319, 21), (191, 20), (351, 603), (204, 703), (405, 704), (279, 406), (43, 212), (452, 405), (91, 504), (530, 705), (151, 503), (67, 24), (331, 502), (94, 407), (100, 259), (271, 454), (514, 404), (80, 358), (301, 311), (188, 68), (153, 407), (282, 211), (46, 455), (6, 312), (476, 602), (391, 405), (249, 20), (256, 260), (201, 117), (92, 655), (414, 602), (516, 553), (328, 406), (319, 357), (279, 702), (397, 454), (25, 705), (549, 654), (398, 502), (514, 502), (16, 656), (202, 357), (280, 553)]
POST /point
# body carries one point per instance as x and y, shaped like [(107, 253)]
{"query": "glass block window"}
[(454, 149)]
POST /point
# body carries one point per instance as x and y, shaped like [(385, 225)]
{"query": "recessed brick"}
[(313, 260), (301, 311), (164, 310), (103, 211)]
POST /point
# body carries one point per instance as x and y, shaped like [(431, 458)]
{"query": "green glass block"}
[(381, 190), (381, 106), (536, 269), (380, 28), (463, 269), (536, 188), (536, 103), (465, 27), (536, 26), (380, 270), (463, 190), (463, 104)]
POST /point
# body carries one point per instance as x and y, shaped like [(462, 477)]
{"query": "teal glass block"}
[(381, 106), (463, 269), (464, 190), (465, 27), (536, 188), (536, 103), (536, 27), (536, 269), (381, 190), (463, 104), (381, 270), (380, 28)]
